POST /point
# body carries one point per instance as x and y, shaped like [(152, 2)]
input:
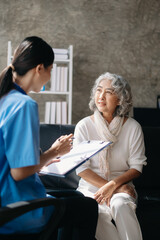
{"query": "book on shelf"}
[(62, 51), (53, 78), (53, 113), (47, 112), (43, 88), (76, 157), (60, 54), (64, 79), (59, 79), (56, 112), (61, 57), (64, 112)]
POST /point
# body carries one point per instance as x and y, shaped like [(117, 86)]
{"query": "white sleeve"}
[(137, 156), (80, 135)]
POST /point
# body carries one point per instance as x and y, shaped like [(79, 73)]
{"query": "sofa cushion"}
[(150, 175), (50, 132)]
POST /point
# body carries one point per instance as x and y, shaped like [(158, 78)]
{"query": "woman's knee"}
[(121, 205), (118, 203)]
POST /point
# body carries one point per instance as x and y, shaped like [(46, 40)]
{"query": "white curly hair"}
[(121, 89)]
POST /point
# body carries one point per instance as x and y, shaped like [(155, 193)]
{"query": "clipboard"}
[(75, 158)]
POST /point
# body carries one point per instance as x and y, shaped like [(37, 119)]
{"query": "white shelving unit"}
[(50, 95)]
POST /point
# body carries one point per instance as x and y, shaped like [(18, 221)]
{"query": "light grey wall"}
[(120, 36)]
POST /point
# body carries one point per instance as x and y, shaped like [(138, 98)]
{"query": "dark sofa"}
[(148, 185)]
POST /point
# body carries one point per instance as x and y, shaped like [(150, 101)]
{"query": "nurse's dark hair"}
[(31, 52)]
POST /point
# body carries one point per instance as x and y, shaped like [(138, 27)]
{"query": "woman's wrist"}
[(113, 184)]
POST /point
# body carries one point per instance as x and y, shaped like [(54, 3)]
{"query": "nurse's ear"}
[(39, 68)]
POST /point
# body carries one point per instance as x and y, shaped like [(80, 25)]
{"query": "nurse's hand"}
[(62, 145), (52, 161)]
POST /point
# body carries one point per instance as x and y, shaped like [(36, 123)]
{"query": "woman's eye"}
[(109, 92), (98, 90)]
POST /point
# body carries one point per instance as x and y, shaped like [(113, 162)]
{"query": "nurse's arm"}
[(24, 172), (60, 147)]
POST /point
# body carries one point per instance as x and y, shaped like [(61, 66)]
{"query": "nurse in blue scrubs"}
[(20, 158)]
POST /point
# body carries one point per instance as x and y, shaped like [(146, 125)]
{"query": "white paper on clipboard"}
[(76, 157)]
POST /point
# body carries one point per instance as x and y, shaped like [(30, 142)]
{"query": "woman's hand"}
[(105, 193), (126, 188), (117, 185)]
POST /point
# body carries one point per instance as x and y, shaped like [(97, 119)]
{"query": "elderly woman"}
[(107, 177)]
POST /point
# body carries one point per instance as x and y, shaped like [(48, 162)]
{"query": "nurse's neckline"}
[(18, 88)]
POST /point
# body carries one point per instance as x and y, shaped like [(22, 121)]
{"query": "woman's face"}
[(105, 98)]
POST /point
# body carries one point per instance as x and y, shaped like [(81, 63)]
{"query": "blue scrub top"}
[(19, 147)]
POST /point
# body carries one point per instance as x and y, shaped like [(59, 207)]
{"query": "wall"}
[(108, 35)]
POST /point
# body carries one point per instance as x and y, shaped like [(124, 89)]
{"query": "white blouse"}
[(128, 152)]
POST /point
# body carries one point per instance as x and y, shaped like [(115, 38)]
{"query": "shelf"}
[(50, 92), (62, 61), (48, 96)]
